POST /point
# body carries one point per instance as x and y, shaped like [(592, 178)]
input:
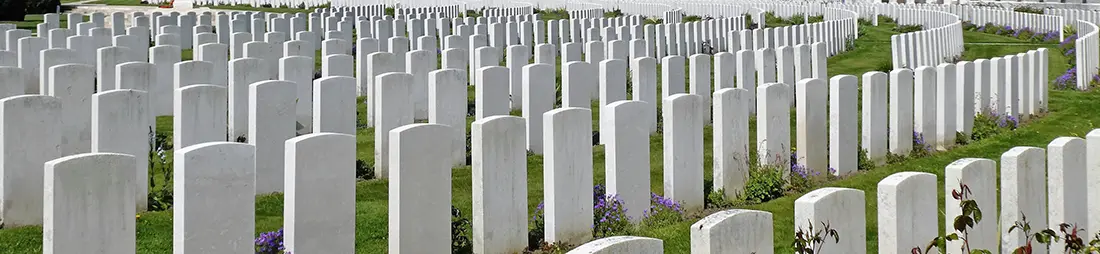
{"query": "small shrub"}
[(1044, 237), (920, 148), (865, 163), (961, 138), (985, 126), (717, 199), (460, 231), (691, 18), (801, 178), (159, 197), (363, 170), (963, 223), (537, 231), (817, 19), (908, 28), (609, 214), (765, 183), (1067, 80), (809, 241), (662, 211), (270, 243), (1028, 9), (613, 13)]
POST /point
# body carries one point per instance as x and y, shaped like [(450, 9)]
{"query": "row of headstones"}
[(268, 119), (1038, 23), (685, 114), (1070, 16), (509, 11), (867, 12), (922, 15), (1049, 186), (1087, 52), (358, 8), (928, 47), (88, 198)]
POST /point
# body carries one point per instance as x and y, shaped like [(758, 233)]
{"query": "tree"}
[(13, 10)]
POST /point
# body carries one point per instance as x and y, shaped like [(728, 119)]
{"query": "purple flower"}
[(270, 243)]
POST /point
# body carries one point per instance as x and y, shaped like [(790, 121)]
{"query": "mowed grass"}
[(1069, 116), (31, 21)]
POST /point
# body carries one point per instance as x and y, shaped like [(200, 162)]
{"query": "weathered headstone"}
[(31, 136), (1022, 192), (733, 231), (683, 146), (334, 108), (89, 204), (320, 194), (215, 202), (907, 212), (843, 209), (393, 109), (419, 189), (567, 175), (120, 124), (74, 85), (199, 115), (627, 154), (499, 172)]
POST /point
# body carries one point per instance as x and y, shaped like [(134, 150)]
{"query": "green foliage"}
[(691, 18), (985, 126), (816, 19), (765, 183), (13, 10), (883, 19), (460, 233), (662, 211), (160, 195), (613, 13), (717, 199), (363, 170), (963, 223), (42, 6), (809, 241), (1044, 237), (1028, 9), (654, 21), (865, 163), (908, 28), (550, 14), (469, 13), (961, 138)]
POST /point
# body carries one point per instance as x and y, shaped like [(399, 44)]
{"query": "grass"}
[(1070, 115), (31, 21)]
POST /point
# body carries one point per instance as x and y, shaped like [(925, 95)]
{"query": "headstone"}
[(11, 77), (419, 63), (672, 76), (907, 211), (320, 195), (700, 82), (627, 155), (199, 115), (924, 106), (393, 109), (901, 112), (217, 55), (1022, 192), (334, 105), (242, 72), (683, 146), (843, 132), (499, 173), (108, 59), (980, 177), (773, 126), (164, 58), (420, 224), (215, 200), (874, 116), (299, 70), (945, 106), (31, 136), (843, 209), (733, 231), (447, 100), (567, 172), (89, 204), (270, 124), (49, 59), (491, 93), (517, 57), (120, 124), (1067, 179), (812, 132), (622, 244), (74, 85)]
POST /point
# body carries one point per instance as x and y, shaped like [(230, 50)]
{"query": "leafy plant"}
[(609, 214), (809, 241), (363, 170), (908, 28), (460, 231), (662, 211), (765, 183), (1045, 237), (920, 148), (865, 163), (964, 223), (160, 196), (961, 138), (271, 243), (717, 199), (537, 231)]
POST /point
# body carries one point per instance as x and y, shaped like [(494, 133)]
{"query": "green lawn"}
[(1070, 115), (30, 22)]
